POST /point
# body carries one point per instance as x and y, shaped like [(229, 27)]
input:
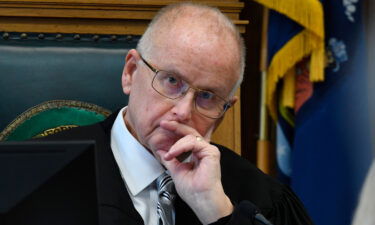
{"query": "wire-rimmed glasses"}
[(171, 86)]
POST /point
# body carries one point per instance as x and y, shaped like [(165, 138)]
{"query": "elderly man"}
[(180, 80)]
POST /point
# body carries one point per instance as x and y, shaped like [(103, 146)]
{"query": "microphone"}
[(256, 215), (260, 218)]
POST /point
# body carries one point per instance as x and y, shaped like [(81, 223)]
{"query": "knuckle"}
[(216, 151), (192, 137)]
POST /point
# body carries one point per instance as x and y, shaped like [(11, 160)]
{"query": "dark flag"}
[(324, 140), (332, 140)]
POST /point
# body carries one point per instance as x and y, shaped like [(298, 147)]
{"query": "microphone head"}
[(253, 211)]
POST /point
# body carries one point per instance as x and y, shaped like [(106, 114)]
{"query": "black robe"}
[(242, 182)]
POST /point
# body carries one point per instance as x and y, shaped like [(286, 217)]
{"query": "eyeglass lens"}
[(172, 86)]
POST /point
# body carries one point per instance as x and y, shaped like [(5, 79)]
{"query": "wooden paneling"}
[(112, 17), (229, 131)]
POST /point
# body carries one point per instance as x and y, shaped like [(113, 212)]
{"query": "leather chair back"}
[(35, 68)]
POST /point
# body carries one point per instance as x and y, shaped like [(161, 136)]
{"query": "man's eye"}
[(172, 80), (206, 95)]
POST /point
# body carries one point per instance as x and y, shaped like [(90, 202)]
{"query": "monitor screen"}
[(48, 183)]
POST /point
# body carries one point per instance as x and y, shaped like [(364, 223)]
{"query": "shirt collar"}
[(138, 167)]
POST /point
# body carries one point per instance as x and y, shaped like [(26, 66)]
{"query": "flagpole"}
[(264, 155)]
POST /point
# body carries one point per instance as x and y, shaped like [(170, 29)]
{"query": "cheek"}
[(149, 111), (141, 108), (143, 99), (202, 125)]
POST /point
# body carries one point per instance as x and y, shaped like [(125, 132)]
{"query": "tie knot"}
[(166, 193), (165, 187)]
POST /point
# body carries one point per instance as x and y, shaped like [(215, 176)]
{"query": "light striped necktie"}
[(166, 196)]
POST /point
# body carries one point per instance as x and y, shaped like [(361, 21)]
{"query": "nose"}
[(183, 107)]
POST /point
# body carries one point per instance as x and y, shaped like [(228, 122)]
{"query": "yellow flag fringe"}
[(300, 46), (308, 13), (309, 42)]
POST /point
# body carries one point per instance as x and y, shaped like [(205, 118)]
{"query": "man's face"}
[(206, 68)]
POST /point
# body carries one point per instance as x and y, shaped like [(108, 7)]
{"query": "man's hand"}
[(198, 182)]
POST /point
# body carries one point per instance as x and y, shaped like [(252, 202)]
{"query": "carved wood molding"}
[(88, 16)]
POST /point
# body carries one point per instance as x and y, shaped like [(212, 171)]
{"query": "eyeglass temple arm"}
[(149, 66)]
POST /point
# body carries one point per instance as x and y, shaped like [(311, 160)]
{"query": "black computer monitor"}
[(49, 183)]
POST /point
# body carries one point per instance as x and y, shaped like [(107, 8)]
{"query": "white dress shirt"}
[(139, 170)]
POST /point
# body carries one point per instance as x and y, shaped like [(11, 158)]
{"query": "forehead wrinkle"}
[(198, 46)]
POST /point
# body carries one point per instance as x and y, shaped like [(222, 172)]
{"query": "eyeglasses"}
[(172, 86)]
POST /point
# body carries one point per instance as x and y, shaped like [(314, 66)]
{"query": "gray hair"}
[(166, 17)]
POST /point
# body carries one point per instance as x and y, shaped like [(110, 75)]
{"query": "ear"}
[(129, 69), (233, 100)]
